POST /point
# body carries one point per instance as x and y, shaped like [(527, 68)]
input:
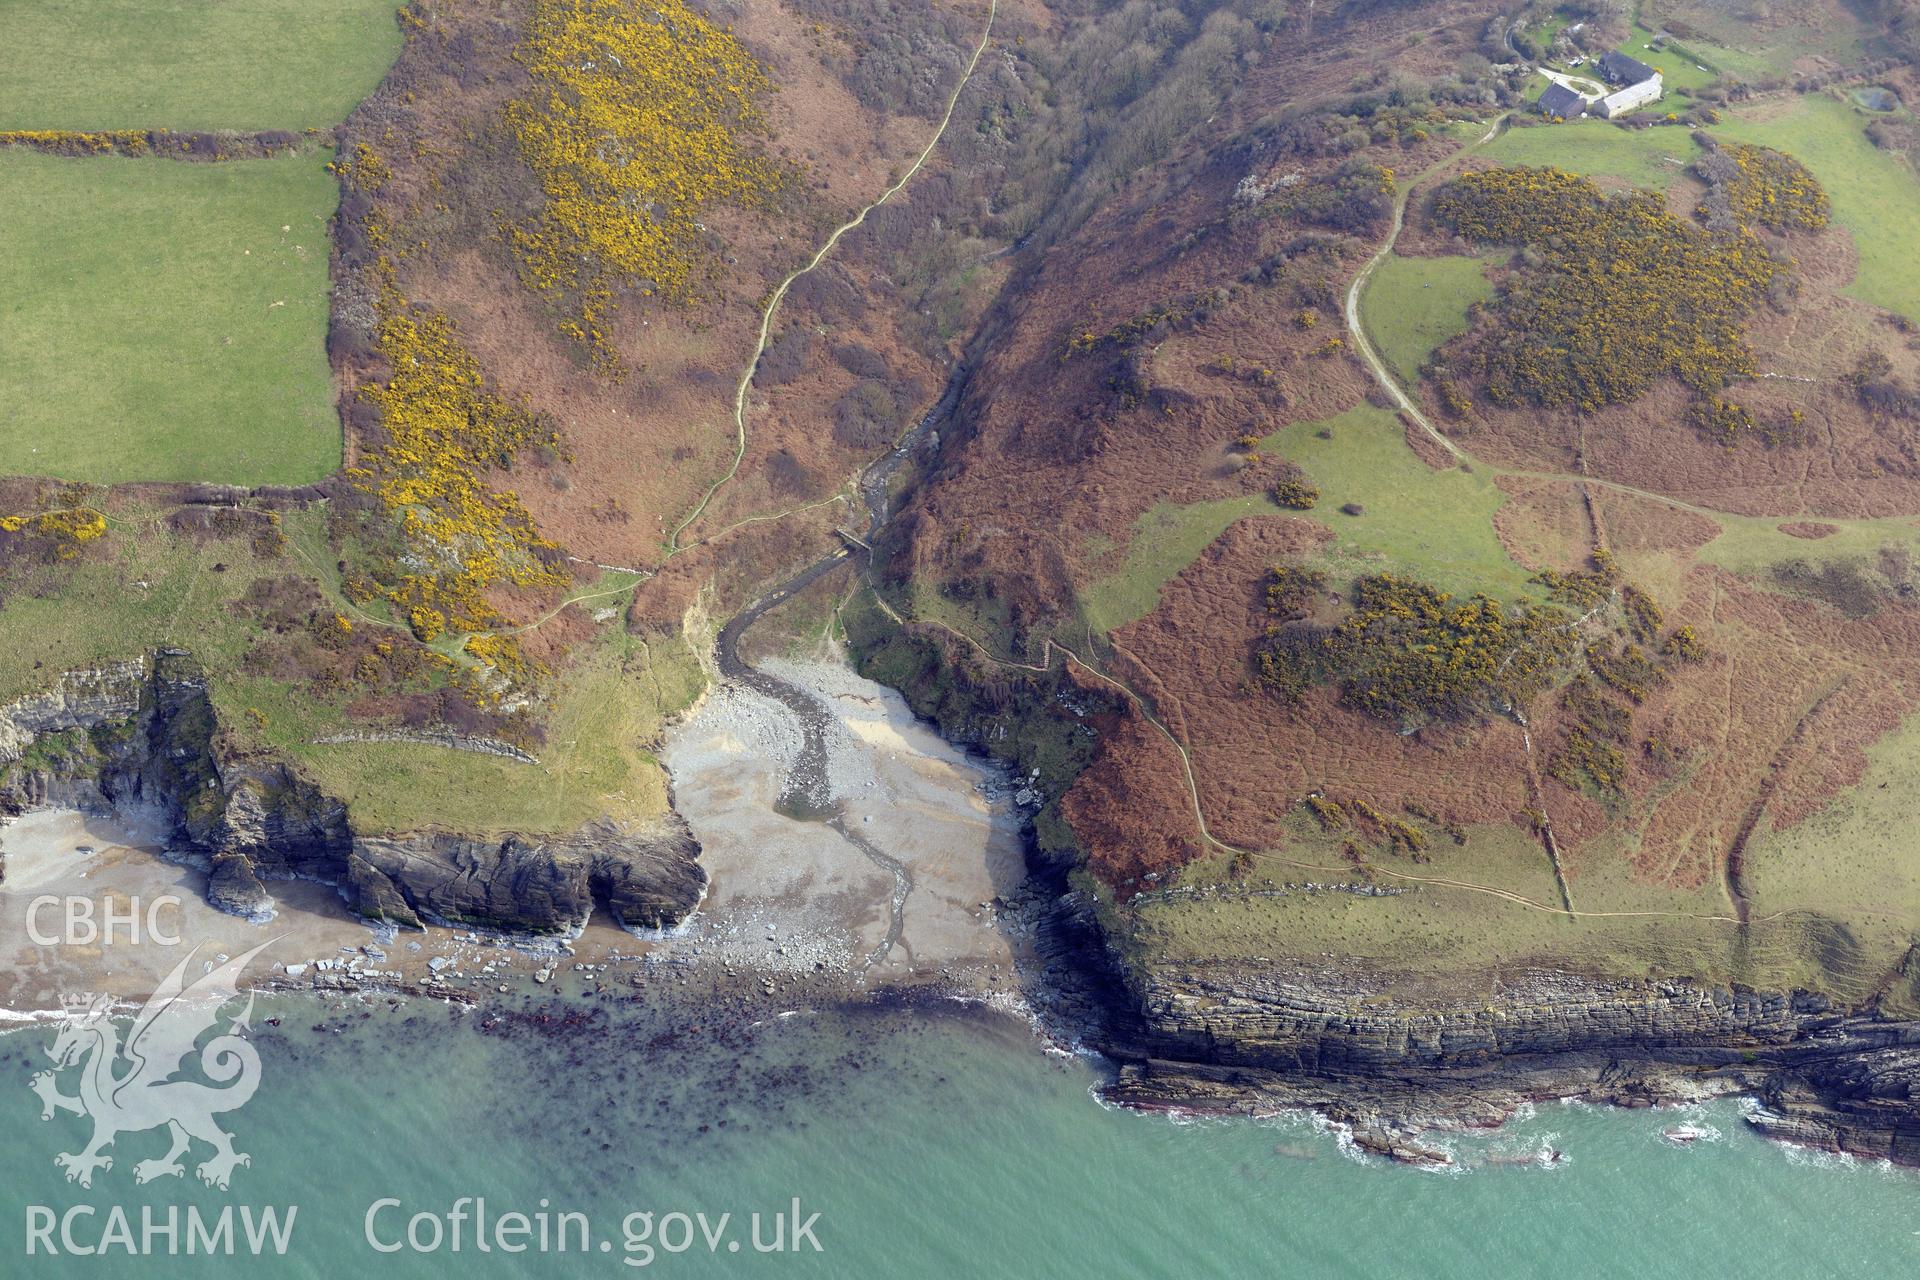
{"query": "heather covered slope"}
[(1613, 681)]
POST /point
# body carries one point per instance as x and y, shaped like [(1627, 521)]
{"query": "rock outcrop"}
[(1387, 1057), (146, 733), (80, 700), (1250, 1037), (1298, 1020), (646, 881), (1867, 1103)]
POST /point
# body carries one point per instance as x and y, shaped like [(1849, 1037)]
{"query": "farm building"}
[(1560, 102), (1618, 68), (1632, 98)]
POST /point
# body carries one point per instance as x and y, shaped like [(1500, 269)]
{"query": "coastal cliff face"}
[(1336, 1024), (145, 733), (1364, 1048), (1244, 1037)]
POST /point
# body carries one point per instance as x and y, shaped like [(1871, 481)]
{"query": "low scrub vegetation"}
[(62, 520), (1356, 197), (1149, 326), (165, 143), (894, 57), (1408, 654), (638, 122), (1611, 292), (1749, 186), (1880, 391), (444, 433), (1294, 491)]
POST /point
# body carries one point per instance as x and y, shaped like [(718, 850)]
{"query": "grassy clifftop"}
[(212, 64)]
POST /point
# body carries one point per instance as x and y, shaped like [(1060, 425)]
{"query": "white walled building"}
[(1631, 98)]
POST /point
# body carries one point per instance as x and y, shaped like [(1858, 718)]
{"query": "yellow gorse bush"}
[(503, 656), (363, 169), (1407, 653), (1613, 292), (638, 120), (78, 142), (446, 432), (1771, 189), (65, 527), (64, 517)]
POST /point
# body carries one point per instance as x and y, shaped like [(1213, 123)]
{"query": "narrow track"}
[(806, 792), (820, 255)]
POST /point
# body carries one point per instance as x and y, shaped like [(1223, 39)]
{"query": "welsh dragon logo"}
[(139, 1085)]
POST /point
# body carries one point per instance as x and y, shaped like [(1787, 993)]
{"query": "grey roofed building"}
[(1558, 100), (1618, 68)]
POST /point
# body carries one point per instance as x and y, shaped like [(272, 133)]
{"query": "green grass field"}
[(1461, 939), (1723, 38), (191, 64), (1754, 544), (1434, 525), (1874, 192), (1412, 305), (1644, 157), (165, 321)]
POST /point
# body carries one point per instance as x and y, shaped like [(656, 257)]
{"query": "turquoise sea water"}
[(931, 1144)]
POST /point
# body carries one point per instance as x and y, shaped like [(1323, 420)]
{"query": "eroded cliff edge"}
[(1254, 1037), (1389, 1057), (144, 732)]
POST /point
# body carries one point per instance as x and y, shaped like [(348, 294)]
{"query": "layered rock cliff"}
[(1264, 1035), (145, 732), (1367, 1048)]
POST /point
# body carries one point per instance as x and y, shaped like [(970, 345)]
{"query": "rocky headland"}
[(1259, 1037), (144, 733), (1390, 1058), (1243, 1037)]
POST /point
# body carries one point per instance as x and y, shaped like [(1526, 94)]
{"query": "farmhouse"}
[(1618, 68), (1562, 103), (1632, 98), (1637, 85)]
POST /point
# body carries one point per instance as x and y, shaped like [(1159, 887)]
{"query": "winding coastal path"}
[(805, 792), (799, 793), (820, 255)]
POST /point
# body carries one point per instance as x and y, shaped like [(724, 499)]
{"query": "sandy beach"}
[(797, 894)]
